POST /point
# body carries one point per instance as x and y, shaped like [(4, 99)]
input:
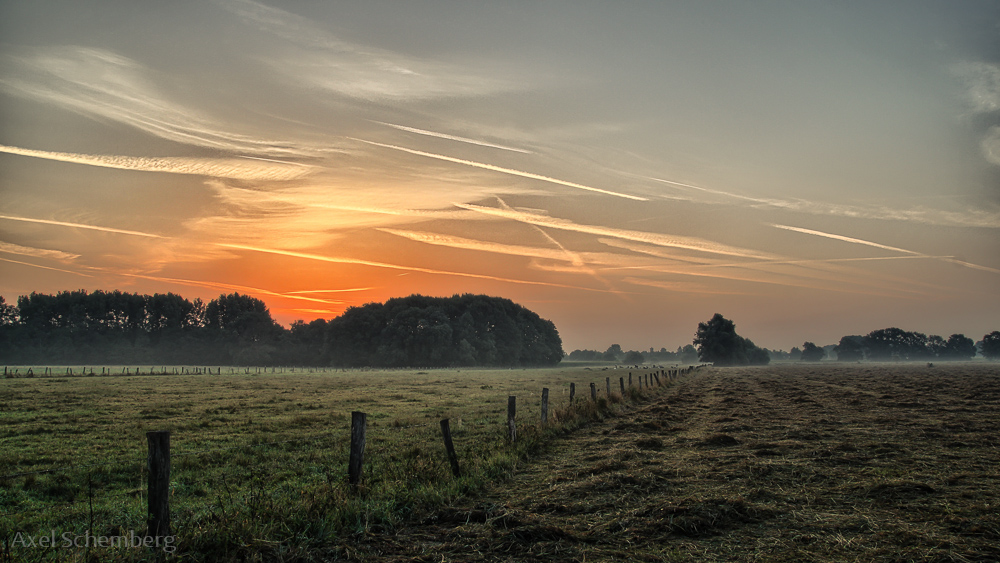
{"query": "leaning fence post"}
[(593, 391), (572, 392), (545, 405), (450, 448), (511, 412), (621, 383), (359, 424), (158, 489)]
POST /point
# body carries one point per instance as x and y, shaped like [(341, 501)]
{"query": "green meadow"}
[(259, 459)]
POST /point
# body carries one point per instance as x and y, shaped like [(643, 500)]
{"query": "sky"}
[(807, 169)]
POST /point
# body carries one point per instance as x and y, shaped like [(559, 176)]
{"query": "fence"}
[(158, 454)]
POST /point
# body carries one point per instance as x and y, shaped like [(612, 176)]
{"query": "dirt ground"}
[(813, 462)]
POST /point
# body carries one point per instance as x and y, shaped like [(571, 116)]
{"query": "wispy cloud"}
[(45, 267), (235, 168), (948, 259), (656, 239), (359, 71), (345, 260), (81, 226), (11, 248), (227, 286), (843, 238), (964, 218), (102, 84), (452, 137), (502, 170)]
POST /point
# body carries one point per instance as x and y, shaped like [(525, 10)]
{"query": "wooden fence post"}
[(158, 489), (359, 424), (607, 384), (656, 376), (572, 392), (621, 382), (629, 379), (545, 405), (450, 448), (511, 413), (593, 391)]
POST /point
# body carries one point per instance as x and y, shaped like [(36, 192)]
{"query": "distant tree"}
[(718, 343), (959, 347), (584, 355), (991, 345), (8, 313), (633, 357), (614, 353), (438, 332), (812, 352), (795, 354), (896, 344), (688, 354), (851, 349)]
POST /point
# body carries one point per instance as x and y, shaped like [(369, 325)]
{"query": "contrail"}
[(81, 226), (339, 260), (219, 285), (45, 267), (687, 243), (845, 239), (12, 248), (235, 168), (949, 259), (451, 137), (510, 171)]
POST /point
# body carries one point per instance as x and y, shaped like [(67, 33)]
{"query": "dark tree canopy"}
[(812, 352), (991, 345), (850, 349), (463, 330), (718, 343)]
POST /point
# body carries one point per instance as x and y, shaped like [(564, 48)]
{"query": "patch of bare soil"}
[(861, 462)]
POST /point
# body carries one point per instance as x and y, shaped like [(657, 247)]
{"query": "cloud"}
[(357, 71), (656, 239), (45, 267), (101, 84), (452, 137), (81, 226), (494, 168), (11, 248), (991, 145), (982, 85), (344, 260), (965, 218), (893, 248), (845, 239), (235, 168), (228, 286)]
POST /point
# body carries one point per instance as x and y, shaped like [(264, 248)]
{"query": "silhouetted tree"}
[(718, 343), (812, 352), (959, 347), (991, 345), (434, 331), (894, 343), (850, 349), (633, 357)]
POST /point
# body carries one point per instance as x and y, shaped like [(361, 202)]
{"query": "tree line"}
[(115, 327)]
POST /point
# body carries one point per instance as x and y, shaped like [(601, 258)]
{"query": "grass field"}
[(814, 462), (259, 460), (808, 462)]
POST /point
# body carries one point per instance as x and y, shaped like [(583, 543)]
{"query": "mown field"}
[(793, 463), (259, 459), (809, 462)]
